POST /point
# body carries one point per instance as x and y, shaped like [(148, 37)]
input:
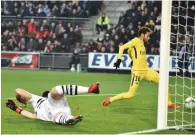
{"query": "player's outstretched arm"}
[(128, 45), (11, 105), (28, 114)]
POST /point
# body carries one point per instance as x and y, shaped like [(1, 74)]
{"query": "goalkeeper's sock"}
[(75, 89), (71, 89)]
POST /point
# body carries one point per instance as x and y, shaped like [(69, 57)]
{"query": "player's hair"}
[(144, 30), (45, 94)]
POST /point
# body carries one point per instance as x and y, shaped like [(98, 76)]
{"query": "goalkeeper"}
[(52, 106), (140, 69)]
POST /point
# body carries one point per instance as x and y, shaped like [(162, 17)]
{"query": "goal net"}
[(182, 60)]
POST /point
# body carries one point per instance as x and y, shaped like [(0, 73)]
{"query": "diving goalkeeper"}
[(52, 105), (140, 69)]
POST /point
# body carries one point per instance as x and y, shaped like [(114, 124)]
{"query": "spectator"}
[(55, 11), (46, 10), (91, 46), (41, 45), (31, 27), (58, 27), (71, 36), (65, 43), (40, 11), (78, 34), (102, 23), (84, 50), (121, 19), (57, 47), (75, 62), (31, 9), (31, 45)]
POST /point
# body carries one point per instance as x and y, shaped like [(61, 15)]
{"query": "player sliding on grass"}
[(140, 69), (52, 106)]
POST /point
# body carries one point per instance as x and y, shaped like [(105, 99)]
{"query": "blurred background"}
[(90, 26)]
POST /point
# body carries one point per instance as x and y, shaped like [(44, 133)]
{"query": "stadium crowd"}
[(36, 35), (40, 36), (148, 13), (44, 35), (72, 8)]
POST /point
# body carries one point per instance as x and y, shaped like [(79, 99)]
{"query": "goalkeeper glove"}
[(117, 63), (21, 99), (10, 104)]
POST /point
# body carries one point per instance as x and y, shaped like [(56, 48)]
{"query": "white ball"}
[(72, 69), (190, 102)]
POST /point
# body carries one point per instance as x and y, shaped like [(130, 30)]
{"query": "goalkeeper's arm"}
[(11, 105), (28, 114)]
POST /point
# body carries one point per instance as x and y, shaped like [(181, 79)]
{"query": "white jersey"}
[(47, 108)]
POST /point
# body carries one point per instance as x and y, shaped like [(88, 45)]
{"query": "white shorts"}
[(35, 99), (47, 108)]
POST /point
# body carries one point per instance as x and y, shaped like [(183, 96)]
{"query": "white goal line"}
[(155, 130)]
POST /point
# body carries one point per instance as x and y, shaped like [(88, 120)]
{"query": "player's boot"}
[(106, 102), (21, 99), (71, 122), (74, 120), (94, 88), (174, 106), (78, 118)]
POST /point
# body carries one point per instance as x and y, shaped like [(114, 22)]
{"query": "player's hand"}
[(21, 99), (10, 104), (131, 64), (117, 63)]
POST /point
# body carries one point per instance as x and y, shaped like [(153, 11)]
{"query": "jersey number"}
[(135, 79)]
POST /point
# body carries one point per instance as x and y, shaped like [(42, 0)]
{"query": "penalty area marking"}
[(94, 95)]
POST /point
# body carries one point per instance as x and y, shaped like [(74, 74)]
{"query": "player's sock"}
[(71, 89), (65, 119)]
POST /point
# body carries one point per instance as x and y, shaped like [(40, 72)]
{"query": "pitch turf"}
[(139, 113)]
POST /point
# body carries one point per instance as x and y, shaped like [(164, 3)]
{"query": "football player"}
[(52, 105), (140, 69)]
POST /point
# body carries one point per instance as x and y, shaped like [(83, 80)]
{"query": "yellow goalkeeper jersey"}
[(137, 52)]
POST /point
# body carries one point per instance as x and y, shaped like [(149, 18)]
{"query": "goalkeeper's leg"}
[(135, 80), (153, 76), (58, 92)]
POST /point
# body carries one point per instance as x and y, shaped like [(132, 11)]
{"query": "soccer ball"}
[(190, 102)]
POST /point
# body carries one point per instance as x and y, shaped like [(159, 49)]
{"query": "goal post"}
[(178, 22), (164, 64)]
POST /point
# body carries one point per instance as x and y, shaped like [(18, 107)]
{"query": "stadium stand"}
[(144, 13), (49, 35), (43, 34)]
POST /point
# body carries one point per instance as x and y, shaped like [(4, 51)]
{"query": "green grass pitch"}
[(139, 113)]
